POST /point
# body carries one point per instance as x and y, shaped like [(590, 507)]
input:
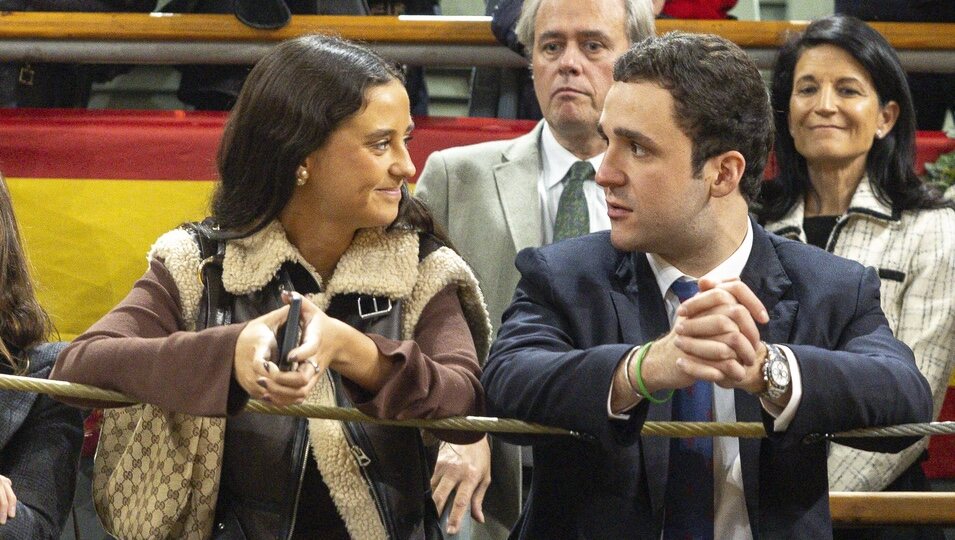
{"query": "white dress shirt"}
[(555, 162), (729, 503)]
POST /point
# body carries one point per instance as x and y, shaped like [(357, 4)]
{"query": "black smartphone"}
[(288, 335)]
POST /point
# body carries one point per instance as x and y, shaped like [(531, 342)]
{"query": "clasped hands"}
[(714, 338), (256, 354)]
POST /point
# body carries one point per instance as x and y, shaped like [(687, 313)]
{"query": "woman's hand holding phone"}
[(258, 354)]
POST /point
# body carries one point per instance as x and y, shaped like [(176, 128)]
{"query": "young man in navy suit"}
[(688, 310)]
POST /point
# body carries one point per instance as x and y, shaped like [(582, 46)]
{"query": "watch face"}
[(779, 373)]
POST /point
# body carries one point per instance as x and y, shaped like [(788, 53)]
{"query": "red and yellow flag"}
[(93, 189)]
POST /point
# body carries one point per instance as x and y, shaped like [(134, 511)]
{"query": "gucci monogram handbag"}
[(156, 473)]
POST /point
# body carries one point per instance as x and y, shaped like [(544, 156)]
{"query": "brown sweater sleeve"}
[(437, 373), (141, 349)]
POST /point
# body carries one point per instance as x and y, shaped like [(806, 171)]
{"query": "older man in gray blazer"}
[(497, 198)]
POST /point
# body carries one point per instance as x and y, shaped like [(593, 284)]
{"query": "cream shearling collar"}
[(378, 262)]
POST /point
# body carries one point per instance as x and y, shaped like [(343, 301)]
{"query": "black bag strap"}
[(215, 306)]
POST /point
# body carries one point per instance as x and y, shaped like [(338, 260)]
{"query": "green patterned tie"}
[(573, 219)]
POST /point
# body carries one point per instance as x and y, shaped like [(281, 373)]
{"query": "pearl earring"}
[(878, 133), (301, 176)]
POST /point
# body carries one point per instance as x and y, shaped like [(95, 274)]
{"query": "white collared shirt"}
[(555, 162), (729, 504)]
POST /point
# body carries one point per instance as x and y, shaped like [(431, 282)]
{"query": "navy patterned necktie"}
[(689, 492), (573, 219)]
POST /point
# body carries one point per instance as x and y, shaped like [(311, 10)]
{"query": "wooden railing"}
[(204, 27), (431, 30), (901, 508), (123, 37)]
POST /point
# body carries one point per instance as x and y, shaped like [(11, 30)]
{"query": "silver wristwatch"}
[(775, 373)]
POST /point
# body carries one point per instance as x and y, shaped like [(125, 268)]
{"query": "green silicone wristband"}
[(641, 354)]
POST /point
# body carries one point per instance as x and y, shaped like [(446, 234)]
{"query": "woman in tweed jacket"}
[(845, 148), (39, 438)]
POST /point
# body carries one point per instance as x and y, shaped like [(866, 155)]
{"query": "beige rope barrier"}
[(477, 423), (848, 509), (464, 423)]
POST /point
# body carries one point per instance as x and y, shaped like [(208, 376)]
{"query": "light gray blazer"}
[(485, 197)]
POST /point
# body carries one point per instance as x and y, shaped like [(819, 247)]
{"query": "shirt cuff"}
[(784, 416), (624, 415)]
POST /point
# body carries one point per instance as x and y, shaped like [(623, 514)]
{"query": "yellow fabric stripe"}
[(87, 239)]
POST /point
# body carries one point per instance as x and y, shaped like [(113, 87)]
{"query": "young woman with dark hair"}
[(40, 439), (312, 199), (845, 147)]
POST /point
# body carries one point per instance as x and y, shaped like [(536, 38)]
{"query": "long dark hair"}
[(292, 101), (890, 162), (23, 323)]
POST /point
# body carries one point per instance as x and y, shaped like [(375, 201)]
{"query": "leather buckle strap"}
[(368, 306), (202, 268)]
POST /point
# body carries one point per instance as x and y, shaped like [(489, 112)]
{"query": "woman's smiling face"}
[(355, 178), (834, 109)]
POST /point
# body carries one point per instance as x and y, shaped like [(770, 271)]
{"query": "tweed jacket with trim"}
[(914, 253)]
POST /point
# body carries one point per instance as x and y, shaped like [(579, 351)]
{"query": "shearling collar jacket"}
[(358, 465)]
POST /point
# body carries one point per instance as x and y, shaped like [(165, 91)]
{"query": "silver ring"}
[(313, 364)]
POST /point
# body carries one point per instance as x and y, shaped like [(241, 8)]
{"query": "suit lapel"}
[(516, 181), (637, 299), (764, 274), (642, 316)]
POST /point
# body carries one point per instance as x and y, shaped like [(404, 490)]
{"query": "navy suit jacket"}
[(581, 305)]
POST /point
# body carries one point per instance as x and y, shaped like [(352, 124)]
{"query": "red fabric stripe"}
[(179, 145), (154, 145), (171, 145)]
